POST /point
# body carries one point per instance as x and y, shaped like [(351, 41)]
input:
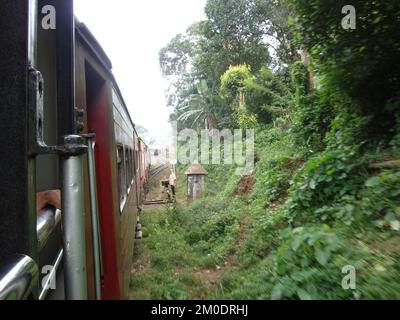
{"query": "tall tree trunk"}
[(307, 60)]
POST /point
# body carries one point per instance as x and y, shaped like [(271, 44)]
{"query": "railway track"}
[(157, 170), (153, 173)]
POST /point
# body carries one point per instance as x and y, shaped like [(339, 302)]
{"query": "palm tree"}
[(199, 108)]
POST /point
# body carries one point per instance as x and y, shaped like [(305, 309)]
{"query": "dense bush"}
[(316, 205), (361, 63), (273, 179), (325, 178)]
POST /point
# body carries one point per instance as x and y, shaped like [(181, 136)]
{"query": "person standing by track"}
[(172, 183)]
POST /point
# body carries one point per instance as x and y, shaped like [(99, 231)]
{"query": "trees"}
[(361, 63), (261, 97), (236, 32), (199, 108), (232, 36), (321, 122)]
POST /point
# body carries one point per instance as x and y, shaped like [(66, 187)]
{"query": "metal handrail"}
[(51, 276), (18, 277), (47, 221), (98, 263), (73, 220)]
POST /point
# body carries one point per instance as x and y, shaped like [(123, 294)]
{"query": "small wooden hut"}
[(195, 180)]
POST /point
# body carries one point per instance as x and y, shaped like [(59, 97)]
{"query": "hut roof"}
[(195, 168)]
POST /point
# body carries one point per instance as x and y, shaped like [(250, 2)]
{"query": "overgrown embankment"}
[(288, 236), (316, 220)]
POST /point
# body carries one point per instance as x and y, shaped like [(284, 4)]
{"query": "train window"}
[(121, 173), (128, 165), (127, 173), (132, 165), (137, 160)]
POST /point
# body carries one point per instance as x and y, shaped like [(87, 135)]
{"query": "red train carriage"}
[(78, 137), (115, 148)]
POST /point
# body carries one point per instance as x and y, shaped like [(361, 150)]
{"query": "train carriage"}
[(78, 98), (114, 158)]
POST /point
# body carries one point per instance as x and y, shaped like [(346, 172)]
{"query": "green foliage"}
[(215, 237), (233, 80), (314, 111), (275, 17), (376, 201), (302, 263), (315, 206), (360, 63), (233, 34), (326, 177), (348, 128), (380, 198), (273, 178), (246, 120), (221, 179), (299, 77), (314, 116), (394, 143), (176, 56), (268, 96), (198, 108), (259, 98), (278, 160), (233, 84)]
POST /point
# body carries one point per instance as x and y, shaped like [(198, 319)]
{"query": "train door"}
[(99, 122)]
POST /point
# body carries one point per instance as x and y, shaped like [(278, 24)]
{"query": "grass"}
[(186, 249), (167, 266), (284, 238)]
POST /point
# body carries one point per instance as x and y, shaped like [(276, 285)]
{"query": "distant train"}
[(71, 131), (159, 156)]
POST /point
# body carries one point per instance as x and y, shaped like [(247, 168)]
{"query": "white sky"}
[(132, 32)]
